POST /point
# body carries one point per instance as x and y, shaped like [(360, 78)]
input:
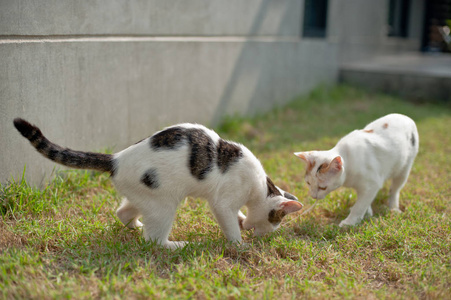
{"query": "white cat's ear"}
[(302, 155), (307, 157), (291, 206), (333, 167), (336, 164)]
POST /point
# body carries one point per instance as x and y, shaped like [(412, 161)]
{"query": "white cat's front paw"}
[(396, 210), (347, 222), (174, 245), (244, 245)]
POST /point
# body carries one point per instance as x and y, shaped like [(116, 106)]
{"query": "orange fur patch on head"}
[(385, 126), (311, 166), (369, 130), (324, 168), (301, 156)]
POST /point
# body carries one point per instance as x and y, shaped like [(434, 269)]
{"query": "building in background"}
[(107, 73), (436, 29)]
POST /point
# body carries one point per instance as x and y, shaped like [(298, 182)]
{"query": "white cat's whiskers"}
[(309, 209)]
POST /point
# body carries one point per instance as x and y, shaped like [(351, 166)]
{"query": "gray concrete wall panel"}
[(154, 17)]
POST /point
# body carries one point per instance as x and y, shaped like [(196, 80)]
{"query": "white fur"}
[(244, 184), (381, 151)]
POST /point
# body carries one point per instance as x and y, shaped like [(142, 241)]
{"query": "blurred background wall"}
[(98, 74)]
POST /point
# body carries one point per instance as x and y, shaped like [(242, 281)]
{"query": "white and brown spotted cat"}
[(364, 159), (184, 160)]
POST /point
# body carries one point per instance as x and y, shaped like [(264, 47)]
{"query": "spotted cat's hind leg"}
[(158, 215), (129, 214), (369, 211)]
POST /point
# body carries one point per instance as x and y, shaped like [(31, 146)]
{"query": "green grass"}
[(64, 240)]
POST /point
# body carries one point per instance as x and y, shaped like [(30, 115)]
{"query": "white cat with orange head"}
[(364, 159)]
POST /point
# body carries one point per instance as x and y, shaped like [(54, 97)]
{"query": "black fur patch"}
[(412, 139), (272, 190), (276, 216), (202, 153), (71, 158), (200, 161), (34, 136), (80, 160), (170, 138), (41, 146), (67, 159), (150, 179), (228, 154), (52, 154), (289, 196), (27, 130)]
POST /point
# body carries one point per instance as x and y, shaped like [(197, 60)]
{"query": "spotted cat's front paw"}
[(241, 218), (134, 224), (137, 224)]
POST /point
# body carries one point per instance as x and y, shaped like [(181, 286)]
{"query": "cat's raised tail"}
[(67, 157)]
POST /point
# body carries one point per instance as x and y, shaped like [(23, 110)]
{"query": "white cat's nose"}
[(319, 196), (314, 195)]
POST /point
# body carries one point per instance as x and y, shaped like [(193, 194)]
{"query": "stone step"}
[(416, 76)]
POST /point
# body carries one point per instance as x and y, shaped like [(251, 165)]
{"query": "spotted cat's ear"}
[(291, 206), (285, 208)]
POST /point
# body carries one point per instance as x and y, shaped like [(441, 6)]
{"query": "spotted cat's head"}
[(267, 216)]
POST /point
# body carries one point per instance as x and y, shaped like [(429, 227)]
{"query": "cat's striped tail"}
[(74, 159)]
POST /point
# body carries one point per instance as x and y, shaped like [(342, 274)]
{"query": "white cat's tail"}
[(74, 159)]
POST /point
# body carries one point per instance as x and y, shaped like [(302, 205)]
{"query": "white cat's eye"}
[(322, 188), (308, 182)]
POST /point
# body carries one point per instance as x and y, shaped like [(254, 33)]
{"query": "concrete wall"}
[(151, 17), (104, 74)]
